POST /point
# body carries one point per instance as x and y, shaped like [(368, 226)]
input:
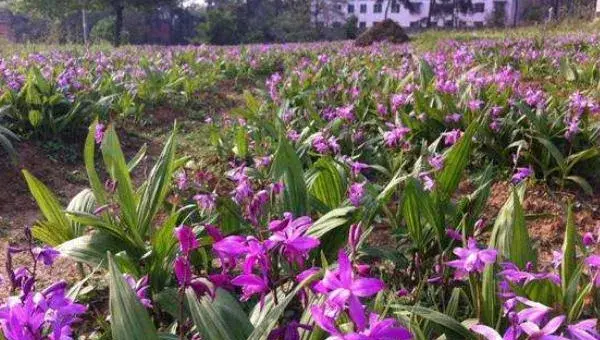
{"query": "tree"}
[(118, 6), (58, 9), (391, 3), (445, 8)]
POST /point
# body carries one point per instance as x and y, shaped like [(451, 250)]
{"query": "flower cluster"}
[(33, 315)]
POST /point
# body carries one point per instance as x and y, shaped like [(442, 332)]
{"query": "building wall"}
[(418, 18), (6, 31)]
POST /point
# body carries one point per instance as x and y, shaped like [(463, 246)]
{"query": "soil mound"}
[(387, 30)]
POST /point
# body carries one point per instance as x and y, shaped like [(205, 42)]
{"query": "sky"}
[(193, 2)]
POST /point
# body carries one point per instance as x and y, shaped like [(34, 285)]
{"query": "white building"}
[(369, 12)]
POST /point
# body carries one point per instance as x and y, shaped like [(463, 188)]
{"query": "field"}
[(446, 188)]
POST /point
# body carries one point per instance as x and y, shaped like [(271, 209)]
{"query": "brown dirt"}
[(18, 209), (546, 214), (387, 30)]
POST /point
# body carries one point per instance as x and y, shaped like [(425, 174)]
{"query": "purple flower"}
[(593, 262), (386, 329), (534, 97), (99, 133), (206, 202), (356, 192), (588, 239), (354, 236), (39, 315), (480, 224), (344, 289), (182, 181), (436, 162), (326, 322), (557, 258), (47, 254), (534, 312), (513, 274), (471, 259), (453, 234), (428, 182), (345, 112), (382, 110), (183, 271), (584, 330), (475, 104), (288, 221), (243, 190), (295, 246), (288, 332), (140, 288), (451, 137), (535, 332), (187, 239), (521, 174), (453, 118), (393, 137), (399, 100), (357, 167), (251, 285), (488, 333)]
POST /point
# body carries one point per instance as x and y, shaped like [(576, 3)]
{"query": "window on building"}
[(479, 8), (362, 24), (462, 23), (339, 7), (378, 8), (499, 7), (449, 23), (363, 8), (478, 24), (415, 24), (350, 8), (415, 7), (395, 8)]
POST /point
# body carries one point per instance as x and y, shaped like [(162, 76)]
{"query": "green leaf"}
[(91, 248), (577, 308), (330, 221), (219, 319), (241, 143), (57, 227), (84, 202), (556, 154), (412, 203), (287, 166), (583, 184), (90, 167), (128, 318), (451, 327), (119, 172), (35, 118), (157, 186), (326, 183), (269, 322), (426, 74), (569, 262), (509, 235), (489, 297), (135, 161), (456, 161), (567, 70), (573, 159)]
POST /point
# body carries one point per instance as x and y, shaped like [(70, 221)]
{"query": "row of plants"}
[(342, 146)]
